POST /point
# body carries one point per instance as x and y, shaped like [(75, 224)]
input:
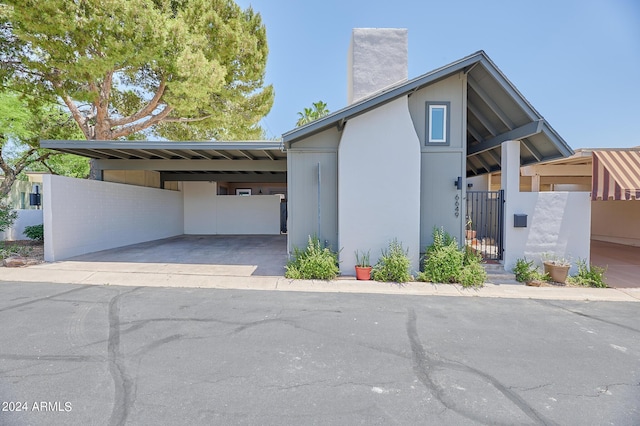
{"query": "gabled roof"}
[(496, 112)]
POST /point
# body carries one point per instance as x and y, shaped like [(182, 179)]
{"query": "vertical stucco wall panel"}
[(303, 196), (452, 90), (442, 164), (438, 196), (379, 184), (83, 216)]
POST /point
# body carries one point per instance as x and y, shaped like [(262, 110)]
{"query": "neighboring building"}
[(395, 163), (18, 198), (611, 175)]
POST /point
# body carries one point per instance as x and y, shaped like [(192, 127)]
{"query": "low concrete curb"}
[(239, 277)]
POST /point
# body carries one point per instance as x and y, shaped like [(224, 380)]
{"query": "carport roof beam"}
[(195, 165)]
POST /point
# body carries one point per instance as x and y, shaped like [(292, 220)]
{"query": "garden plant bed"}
[(31, 251)]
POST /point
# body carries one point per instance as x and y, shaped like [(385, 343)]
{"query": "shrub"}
[(7, 215), (8, 250), (35, 232), (445, 262), (443, 265), (473, 275), (525, 271), (393, 265), (315, 262), (589, 276)]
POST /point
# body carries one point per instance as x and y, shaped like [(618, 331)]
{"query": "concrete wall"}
[(205, 212), (25, 218), (379, 184), (558, 222), (83, 216), (616, 221)]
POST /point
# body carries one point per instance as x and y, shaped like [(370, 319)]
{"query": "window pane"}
[(437, 124)]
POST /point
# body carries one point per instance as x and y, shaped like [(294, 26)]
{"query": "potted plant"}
[(556, 267), (470, 233), (363, 267)]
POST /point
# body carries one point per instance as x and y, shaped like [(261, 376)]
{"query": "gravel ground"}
[(27, 248)]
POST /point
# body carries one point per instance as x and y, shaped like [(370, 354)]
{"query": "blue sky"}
[(576, 61)]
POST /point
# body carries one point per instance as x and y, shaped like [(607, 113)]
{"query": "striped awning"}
[(616, 175)]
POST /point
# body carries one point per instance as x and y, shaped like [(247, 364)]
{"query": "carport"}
[(148, 191), (215, 255)]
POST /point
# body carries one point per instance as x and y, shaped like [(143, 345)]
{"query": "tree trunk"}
[(94, 172), (7, 183)]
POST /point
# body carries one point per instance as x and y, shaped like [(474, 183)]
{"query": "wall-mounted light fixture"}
[(458, 182)]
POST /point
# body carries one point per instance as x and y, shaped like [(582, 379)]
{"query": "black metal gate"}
[(484, 230)]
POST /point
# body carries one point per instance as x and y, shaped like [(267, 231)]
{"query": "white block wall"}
[(25, 218), (379, 184), (558, 223), (208, 213), (83, 216)]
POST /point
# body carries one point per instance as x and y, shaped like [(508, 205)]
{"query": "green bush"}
[(443, 265), (525, 271), (35, 232), (7, 215), (315, 262), (393, 265), (589, 276), (473, 275), (445, 262)]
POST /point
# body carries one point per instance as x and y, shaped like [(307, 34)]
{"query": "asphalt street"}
[(112, 355)]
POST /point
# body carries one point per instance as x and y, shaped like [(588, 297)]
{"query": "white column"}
[(510, 178), (510, 183)]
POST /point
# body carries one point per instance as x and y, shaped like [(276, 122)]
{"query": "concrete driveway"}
[(621, 261), (241, 255)]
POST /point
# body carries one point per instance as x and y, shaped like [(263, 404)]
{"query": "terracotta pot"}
[(470, 234), (558, 273), (363, 273)]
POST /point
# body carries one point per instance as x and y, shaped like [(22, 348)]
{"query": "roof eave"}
[(380, 98)]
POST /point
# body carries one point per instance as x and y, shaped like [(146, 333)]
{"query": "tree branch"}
[(144, 112), (77, 115), (154, 119)]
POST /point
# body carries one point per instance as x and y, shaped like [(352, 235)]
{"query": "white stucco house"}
[(404, 156)]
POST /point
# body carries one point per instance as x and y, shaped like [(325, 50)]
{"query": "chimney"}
[(377, 59)]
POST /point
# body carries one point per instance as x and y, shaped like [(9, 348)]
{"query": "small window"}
[(438, 123)]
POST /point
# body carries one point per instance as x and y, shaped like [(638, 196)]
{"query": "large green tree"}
[(179, 69), (22, 125)]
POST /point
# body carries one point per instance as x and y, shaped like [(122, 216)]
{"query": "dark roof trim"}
[(338, 118), (381, 98), (165, 145)]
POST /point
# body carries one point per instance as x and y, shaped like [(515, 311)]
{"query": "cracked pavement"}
[(108, 355)]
